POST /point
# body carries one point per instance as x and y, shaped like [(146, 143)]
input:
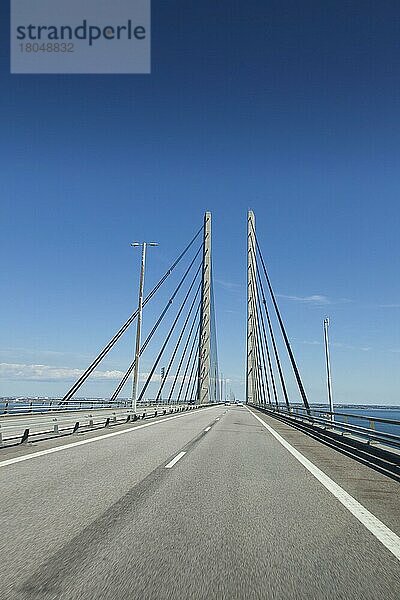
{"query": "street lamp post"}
[(328, 367), (139, 321), (162, 380)]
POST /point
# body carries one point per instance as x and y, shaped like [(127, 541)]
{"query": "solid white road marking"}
[(386, 536), (175, 460), (12, 461), (207, 429)]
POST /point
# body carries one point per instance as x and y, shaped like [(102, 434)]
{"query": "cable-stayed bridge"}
[(193, 353), (163, 490)]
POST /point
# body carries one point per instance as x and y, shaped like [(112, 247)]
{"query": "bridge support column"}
[(251, 362), (204, 369)]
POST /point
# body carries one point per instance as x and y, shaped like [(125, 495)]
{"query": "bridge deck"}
[(236, 517)]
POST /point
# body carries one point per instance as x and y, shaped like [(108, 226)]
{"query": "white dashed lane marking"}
[(175, 460)]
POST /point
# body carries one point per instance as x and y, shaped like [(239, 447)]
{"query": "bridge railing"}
[(11, 407), (33, 428), (29, 406), (372, 429)]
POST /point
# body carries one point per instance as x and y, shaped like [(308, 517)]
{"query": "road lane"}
[(236, 517), (384, 534), (49, 499), (377, 492)]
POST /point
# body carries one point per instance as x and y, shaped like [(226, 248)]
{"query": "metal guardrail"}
[(90, 423), (328, 421), (11, 407)]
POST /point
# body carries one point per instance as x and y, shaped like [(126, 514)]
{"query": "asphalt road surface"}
[(199, 505)]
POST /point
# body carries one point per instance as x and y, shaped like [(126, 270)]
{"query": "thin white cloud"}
[(394, 305), (26, 353), (29, 351), (336, 345), (228, 285), (156, 378), (316, 299), (349, 347), (17, 371), (25, 372)]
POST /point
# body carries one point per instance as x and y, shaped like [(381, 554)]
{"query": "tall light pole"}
[(139, 321), (328, 366), (162, 380)]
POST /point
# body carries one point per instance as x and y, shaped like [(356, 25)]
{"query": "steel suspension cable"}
[(255, 362), (271, 370), (262, 352), (266, 344), (155, 327), (194, 380), (283, 330), (272, 336), (125, 326), (259, 359), (214, 365), (271, 331), (183, 355), (178, 343), (256, 312), (192, 348), (270, 367), (169, 335)]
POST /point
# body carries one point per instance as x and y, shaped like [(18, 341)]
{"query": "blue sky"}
[(288, 108)]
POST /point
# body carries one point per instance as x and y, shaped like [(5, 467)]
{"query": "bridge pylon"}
[(252, 359), (205, 376)]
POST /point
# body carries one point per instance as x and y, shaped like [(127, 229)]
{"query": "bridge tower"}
[(252, 364), (205, 383)]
